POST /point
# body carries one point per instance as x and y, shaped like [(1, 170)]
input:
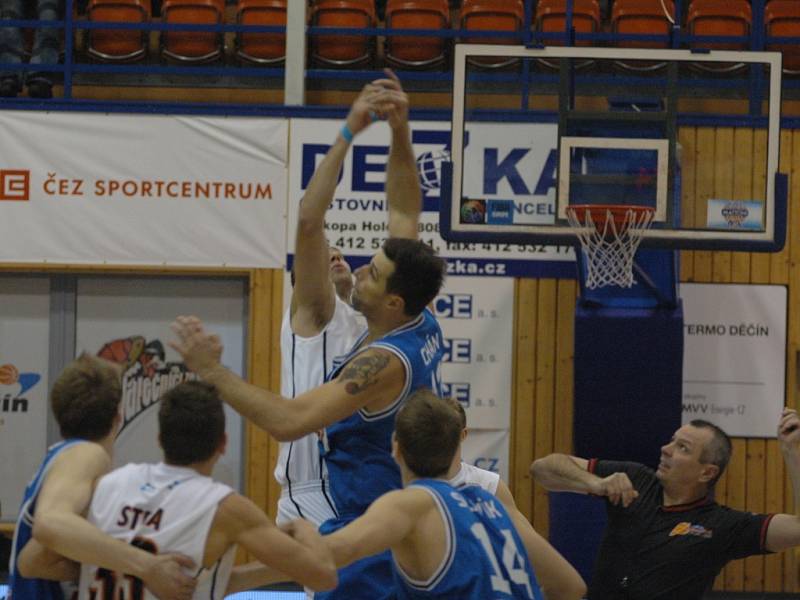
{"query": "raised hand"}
[(393, 103), (789, 430), (364, 109), (200, 351)]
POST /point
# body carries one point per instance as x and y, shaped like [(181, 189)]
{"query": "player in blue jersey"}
[(558, 579), (445, 542), (52, 536), (399, 353)]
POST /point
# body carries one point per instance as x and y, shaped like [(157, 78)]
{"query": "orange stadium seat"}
[(492, 15), (118, 44), (551, 17), (782, 19), (192, 46), (262, 48), (642, 17), (416, 51), (719, 17), (342, 50)]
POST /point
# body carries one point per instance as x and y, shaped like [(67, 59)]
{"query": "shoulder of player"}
[(371, 360), (83, 456), (412, 500)]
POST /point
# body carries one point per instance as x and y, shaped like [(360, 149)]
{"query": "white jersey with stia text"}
[(304, 363), (159, 508), (472, 475)]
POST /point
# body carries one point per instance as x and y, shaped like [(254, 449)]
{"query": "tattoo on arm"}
[(362, 372)]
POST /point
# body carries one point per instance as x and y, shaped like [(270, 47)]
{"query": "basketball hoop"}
[(609, 235)]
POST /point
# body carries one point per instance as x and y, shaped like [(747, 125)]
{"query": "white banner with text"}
[(502, 160), (143, 189), (734, 359)]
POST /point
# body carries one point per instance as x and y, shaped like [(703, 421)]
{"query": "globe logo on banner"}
[(429, 166)]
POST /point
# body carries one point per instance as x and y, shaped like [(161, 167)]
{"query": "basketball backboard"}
[(617, 126)]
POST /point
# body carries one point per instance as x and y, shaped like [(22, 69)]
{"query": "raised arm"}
[(564, 473), (313, 296), (373, 379), (559, 580), (59, 526), (784, 530), (302, 555), (403, 191), (388, 522)]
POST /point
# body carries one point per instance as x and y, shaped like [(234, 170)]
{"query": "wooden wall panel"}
[(522, 423), (717, 162), (264, 371)]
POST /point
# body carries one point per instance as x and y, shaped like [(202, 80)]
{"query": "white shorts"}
[(310, 500)]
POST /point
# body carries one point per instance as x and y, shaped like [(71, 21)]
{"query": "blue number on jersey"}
[(485, 557)]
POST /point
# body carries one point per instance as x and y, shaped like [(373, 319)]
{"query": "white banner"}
[(514, 161), (127, 321), (477, 323), (141, 189), (24, 353), (487, 449), (734, 359)]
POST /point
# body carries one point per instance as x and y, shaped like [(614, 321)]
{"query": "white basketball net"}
[(609, 247)]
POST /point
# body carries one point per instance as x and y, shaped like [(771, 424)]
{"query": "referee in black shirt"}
[(666, 538)]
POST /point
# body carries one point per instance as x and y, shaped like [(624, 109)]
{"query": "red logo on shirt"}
[(686, 528)]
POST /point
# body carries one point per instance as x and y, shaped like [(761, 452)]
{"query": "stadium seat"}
[(642, 17), (416, 51), (551, 17), (719, 17), (192, 46), (121, 45), (782, 19), (261, 48), (342, 50), (491, 15)]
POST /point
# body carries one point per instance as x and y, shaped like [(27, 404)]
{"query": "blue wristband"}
[(346, 134)]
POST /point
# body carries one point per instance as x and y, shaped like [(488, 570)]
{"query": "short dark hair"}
[(428, 431), (191, 423), (459, 408), (85, 398), (418, 273), (717, 451)]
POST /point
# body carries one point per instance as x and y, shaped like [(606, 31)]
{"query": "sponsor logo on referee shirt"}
[(686, 528)]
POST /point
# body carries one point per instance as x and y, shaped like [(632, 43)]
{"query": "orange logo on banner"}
[(15, 185)]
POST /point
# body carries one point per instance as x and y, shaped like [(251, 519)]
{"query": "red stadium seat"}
[(719, 17), (416, 51), (642, 17), (192, 46), (551, 17), (491, 15), (782, 19), (261, 48), (342, 50), (118, 44)]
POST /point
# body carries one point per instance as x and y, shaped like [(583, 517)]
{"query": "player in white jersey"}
[(557, 578), (304, 361), (175, 506), (320, 324), (52, 535)]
